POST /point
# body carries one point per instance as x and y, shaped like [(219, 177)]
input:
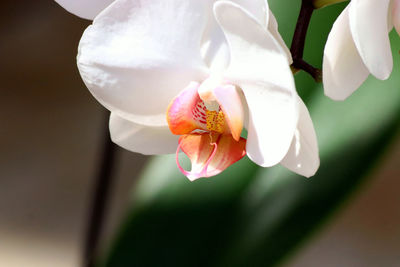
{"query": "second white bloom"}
[(358, 45)]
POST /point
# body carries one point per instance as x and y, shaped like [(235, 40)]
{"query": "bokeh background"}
[(51, 142)]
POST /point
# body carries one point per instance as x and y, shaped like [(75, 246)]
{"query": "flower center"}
[(215, 121), (212, 109), (209, 118)]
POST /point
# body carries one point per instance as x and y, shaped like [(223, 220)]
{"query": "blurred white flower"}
[(87, 9), (358, 45), (190, 74)]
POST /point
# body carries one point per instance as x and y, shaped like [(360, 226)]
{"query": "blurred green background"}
[(248, 216)]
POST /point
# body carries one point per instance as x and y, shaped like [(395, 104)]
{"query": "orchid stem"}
[(100, 197), (299, 39)]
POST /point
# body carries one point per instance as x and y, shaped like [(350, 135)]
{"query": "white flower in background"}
[(87, 9), (358, 45), (189, 75)]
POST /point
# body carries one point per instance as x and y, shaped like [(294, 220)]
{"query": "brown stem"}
[(299, 39), (100, 196)]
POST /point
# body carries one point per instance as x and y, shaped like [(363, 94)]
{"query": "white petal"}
[(343, 69), (273, 28), (272, 122), (142, 139), (137, 56), (259, 9), (256, 56), (369, 28), (396, 15), (303, 156), (260, 67), (214, 47), (87, 9)]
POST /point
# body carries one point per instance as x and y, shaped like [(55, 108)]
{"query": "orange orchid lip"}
[(210, 138), (209, 153)]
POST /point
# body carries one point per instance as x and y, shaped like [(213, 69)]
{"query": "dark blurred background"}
[(51, 141)]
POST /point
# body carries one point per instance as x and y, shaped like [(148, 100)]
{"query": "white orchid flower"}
[(358, 45), (189, 75)]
